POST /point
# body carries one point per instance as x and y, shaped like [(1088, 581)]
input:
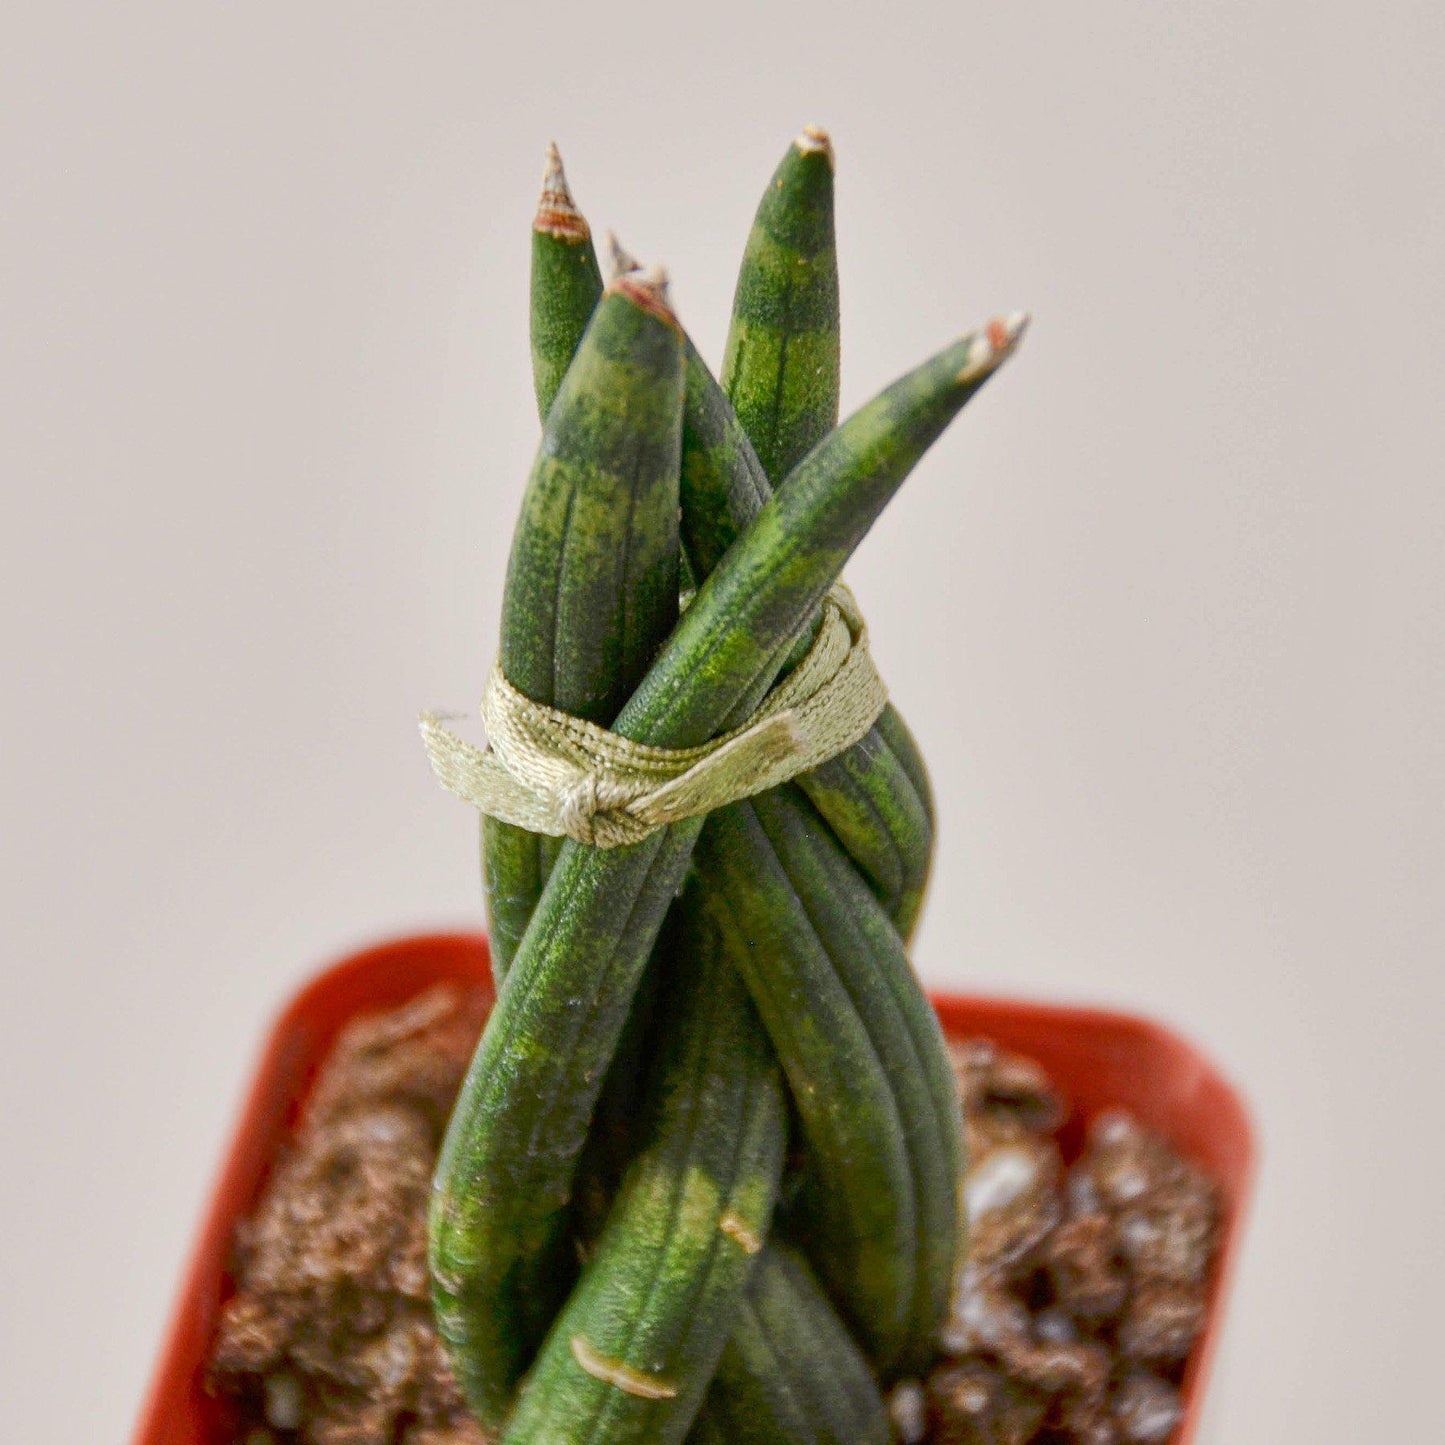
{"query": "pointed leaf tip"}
[(993, 345), (1009, 330), (815, 138), (620, 259), (646, 287), (557, 212)]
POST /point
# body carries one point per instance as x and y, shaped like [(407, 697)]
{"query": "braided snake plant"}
[(702, 1179)]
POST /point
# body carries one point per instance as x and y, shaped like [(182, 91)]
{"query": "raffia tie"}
[(549, 772)]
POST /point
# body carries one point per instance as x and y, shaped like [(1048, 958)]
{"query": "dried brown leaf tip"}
[(646, 287), (814, 138), (557, 212), (993, 345), (620, 261)]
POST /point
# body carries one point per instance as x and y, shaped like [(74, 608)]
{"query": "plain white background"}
[(1165, 608)]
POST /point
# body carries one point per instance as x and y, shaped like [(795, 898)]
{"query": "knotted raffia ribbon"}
[(549, 772)]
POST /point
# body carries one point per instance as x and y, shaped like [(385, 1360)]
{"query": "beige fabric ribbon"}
[(549, 772)]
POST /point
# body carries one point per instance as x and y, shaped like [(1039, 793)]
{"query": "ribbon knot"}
[(591, 810), (550, 772), (578, 807)]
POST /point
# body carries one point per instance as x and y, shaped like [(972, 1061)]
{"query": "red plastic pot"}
[(1099, 1059)]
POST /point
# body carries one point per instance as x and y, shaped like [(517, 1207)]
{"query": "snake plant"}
[(702, 1178)]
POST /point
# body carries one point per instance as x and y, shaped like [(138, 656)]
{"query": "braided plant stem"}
[(785, 947)]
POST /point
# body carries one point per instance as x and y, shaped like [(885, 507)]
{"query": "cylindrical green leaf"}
[(791, 1374), (870, 795), (726, 648), (566, 282), (631, 1352), (591, 590), (865, 1215), (565, 289), (870, 962), (780, 369)]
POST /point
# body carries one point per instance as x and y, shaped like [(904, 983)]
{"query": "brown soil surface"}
[(1082, 1295), (329, 1337), (1085, 1286)]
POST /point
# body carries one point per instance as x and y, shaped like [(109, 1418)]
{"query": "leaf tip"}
[(646, 287), (620, 260), (991, 346), (557, 213), (812, 139)]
